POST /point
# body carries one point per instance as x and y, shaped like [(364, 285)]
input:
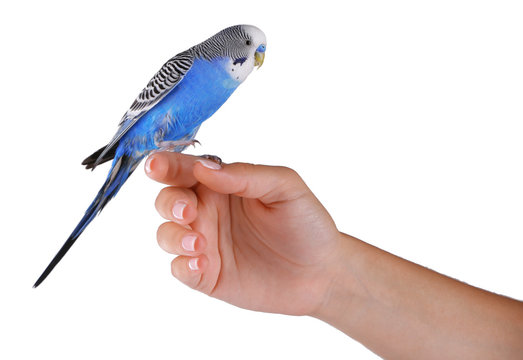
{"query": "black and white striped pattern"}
[(163, 81), (229, 42)]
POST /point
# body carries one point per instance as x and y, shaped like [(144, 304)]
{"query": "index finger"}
[(172, 168)]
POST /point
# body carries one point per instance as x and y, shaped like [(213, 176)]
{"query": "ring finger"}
[(177, 239)]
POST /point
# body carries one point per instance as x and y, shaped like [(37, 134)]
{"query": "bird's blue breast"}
[(205, 87)]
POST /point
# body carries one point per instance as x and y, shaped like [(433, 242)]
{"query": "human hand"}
[(252, 235), (256, 237)]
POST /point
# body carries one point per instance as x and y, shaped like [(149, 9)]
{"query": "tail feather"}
[(90, 161), (121, 169)]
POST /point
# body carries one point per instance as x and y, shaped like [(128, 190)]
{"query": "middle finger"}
[(177, 204)]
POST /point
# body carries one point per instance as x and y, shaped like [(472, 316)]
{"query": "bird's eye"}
[(248, 42)]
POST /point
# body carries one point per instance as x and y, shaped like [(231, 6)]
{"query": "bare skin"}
[(257, 237)]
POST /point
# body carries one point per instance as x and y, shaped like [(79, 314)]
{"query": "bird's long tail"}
[(121, 169)]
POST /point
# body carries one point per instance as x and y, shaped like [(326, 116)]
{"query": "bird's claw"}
[(194, 142)]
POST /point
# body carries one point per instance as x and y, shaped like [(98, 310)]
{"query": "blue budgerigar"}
[(166, 115)]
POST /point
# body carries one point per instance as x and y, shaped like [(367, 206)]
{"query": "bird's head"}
[(243, 45)]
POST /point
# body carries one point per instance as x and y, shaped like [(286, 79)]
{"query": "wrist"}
[(345, 296)]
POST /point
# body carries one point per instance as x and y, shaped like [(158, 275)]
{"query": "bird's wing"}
[(166, 79)]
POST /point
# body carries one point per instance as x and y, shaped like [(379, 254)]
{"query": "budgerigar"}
[(166, 115)]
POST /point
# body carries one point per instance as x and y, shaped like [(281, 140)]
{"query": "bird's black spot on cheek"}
[(239, 61), (232, 69)]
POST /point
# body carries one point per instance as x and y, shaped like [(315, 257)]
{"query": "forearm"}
[(401, 310)]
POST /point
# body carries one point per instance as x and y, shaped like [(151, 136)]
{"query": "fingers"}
[(178, 240), (190, 265), (269, 184), (171, 168), (189, 270), (177, 204), (198, 264)]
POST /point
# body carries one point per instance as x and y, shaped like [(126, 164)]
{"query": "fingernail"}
[(148, 164), (188, 242), (178, 209), (210, 164), (193, 264)]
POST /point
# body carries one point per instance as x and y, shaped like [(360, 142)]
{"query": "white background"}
[(404, 117)]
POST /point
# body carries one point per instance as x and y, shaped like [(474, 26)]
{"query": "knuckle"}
[(290, 173), (291, 176), (246, 168)]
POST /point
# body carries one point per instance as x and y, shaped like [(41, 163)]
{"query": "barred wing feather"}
[(166, 79)]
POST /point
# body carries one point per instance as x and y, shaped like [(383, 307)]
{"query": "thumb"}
[(269, 184)]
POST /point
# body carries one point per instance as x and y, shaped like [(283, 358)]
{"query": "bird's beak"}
[(258, 58)]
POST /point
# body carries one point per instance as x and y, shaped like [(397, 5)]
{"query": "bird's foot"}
[(214, 158), (174, 146)]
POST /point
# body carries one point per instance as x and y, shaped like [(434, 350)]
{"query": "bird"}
[(166, 115)]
